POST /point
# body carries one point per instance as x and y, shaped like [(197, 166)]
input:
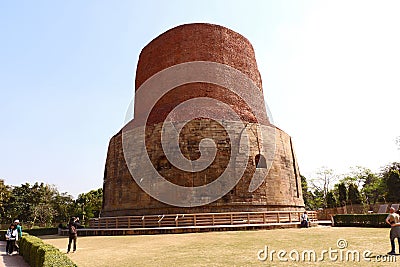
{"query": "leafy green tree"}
[(374, 188), (34, 203), (5, 194), (354, 196), (42, 204), (44, 213), (391, 176), (342, 193), (63, 204), (357, 176), (318, 200), (371, 185), (331, 200), (88, 205), (20, 202), (307, 195)]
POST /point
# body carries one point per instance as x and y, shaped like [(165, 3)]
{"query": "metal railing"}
[(200, 219)]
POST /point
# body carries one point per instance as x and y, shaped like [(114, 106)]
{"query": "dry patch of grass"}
[(224, 248)]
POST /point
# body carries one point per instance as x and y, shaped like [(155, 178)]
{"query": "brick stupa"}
[(280, 189)]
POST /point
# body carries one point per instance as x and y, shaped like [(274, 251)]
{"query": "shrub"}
[(360, 220), (39, 254), (26, 248)]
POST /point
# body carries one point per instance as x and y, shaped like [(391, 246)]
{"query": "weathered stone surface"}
[(280, 188)]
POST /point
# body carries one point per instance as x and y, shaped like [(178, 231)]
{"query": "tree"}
[(323, 182), (391, 176), (42, 204), (37, 203), (307, 195), (89, 204), (374, 188), (353, 195), (331, 200), (64, 206), (370, 185), (20, 203), (357, 176), (317, 200), (44, 213), (5, 194), (342, 193)]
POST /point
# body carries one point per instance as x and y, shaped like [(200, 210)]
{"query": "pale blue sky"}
[(330, 72)]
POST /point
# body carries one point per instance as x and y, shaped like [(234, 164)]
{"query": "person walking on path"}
[(19, 230), (393, 220), (11, 237), (73, 233)]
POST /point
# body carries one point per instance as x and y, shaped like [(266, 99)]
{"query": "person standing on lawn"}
[(393, 220), (73, 233)]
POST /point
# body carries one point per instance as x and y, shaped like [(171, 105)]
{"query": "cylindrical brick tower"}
[(185, 51)]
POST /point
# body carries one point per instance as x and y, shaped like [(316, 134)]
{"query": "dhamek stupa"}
[(269, 180)]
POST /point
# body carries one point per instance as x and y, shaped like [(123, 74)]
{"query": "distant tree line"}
[(42, 204), (360, 186)]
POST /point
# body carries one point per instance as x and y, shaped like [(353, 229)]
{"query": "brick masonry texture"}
[(281, 189), (198, 42)]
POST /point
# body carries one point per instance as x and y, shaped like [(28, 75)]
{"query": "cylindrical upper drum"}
[(197, 42), (200, 43)]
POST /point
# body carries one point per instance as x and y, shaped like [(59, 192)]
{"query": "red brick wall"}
[(199, 42)]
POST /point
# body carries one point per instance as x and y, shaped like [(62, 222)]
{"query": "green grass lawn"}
[(226, 248)]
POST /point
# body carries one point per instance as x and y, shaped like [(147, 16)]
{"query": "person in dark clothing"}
[(11, 237), (73, 233)]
